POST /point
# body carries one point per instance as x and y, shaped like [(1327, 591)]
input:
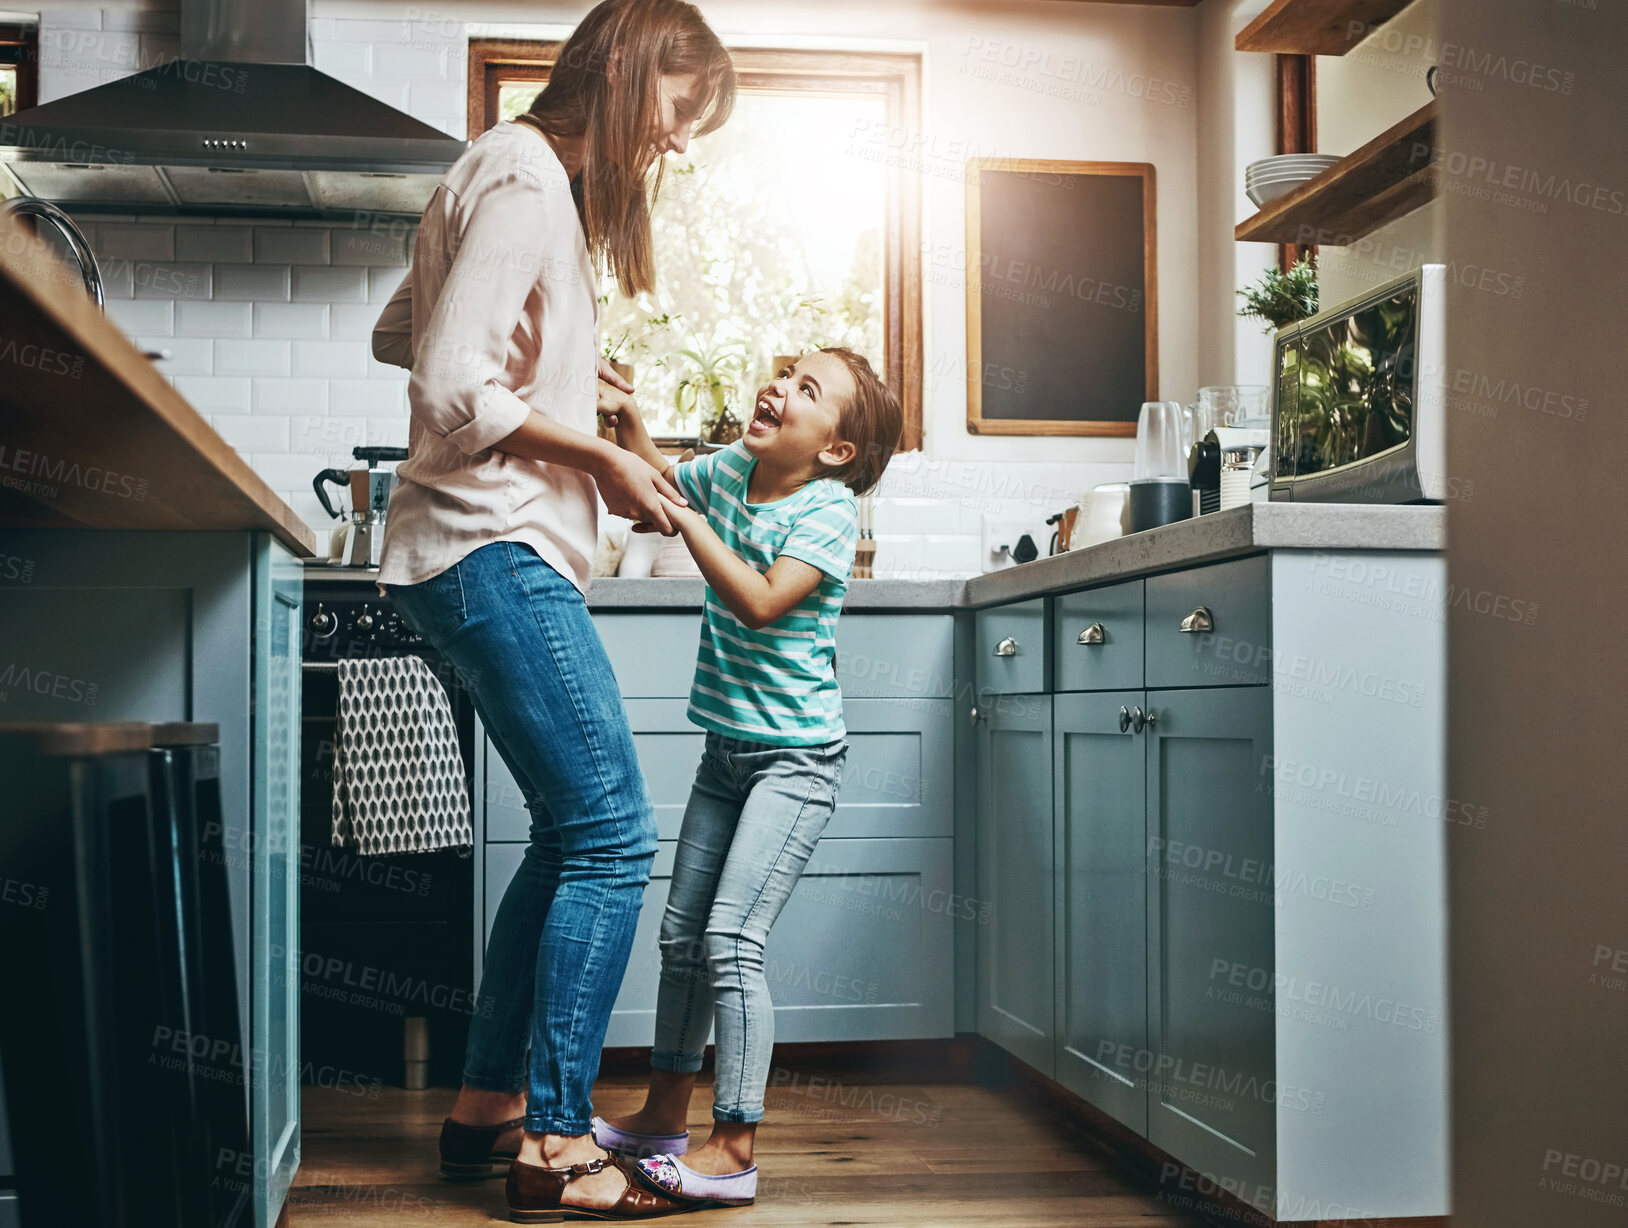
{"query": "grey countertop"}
[(1238, 531)]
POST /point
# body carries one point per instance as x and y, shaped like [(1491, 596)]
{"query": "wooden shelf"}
[(1316, 27), (1388, 177)]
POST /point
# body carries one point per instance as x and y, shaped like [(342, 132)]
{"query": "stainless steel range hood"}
[(240, 124)]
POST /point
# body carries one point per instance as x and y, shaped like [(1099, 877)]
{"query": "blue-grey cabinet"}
[(1101, 902), (1213, 1092), (1015, 870)]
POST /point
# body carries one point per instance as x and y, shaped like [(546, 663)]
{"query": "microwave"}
[(1358, 406)]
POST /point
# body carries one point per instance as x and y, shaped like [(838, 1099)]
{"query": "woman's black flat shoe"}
[(469, 1153)]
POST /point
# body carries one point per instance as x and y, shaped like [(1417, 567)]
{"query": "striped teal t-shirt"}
[(778, 685)]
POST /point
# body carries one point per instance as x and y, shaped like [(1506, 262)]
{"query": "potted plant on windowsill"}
[(709, 390)]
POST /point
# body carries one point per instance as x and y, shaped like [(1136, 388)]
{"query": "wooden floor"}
[(832, 1151)]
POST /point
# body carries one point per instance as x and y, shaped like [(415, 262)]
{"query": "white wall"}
[(1074, 81)]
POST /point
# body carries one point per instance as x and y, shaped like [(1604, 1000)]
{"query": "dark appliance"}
[(387, 942)]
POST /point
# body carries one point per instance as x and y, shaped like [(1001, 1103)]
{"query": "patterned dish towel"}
[(398, 776)]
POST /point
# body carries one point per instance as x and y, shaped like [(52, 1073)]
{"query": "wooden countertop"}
[(92, 436)]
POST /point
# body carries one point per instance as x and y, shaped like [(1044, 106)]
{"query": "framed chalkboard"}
[(1062, 297)]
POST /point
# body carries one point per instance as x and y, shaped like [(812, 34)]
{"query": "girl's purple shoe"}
[(626, 1142), (667, 1174)]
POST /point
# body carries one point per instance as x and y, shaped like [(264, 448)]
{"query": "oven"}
[(386, 958)]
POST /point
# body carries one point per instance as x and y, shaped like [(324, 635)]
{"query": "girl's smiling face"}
[(797, 415)]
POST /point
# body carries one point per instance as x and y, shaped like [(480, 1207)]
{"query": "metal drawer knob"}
[(1007, 648), (1094, 634), (1142, 720), (1199, 620), (1124, 719), (978, 715)]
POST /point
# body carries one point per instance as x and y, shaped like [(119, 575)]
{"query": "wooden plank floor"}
[(832, 1152)]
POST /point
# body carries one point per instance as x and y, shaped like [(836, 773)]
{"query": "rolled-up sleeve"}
[(456, 389), (393, 334)]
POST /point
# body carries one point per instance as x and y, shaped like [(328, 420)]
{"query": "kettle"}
[(361, 538)]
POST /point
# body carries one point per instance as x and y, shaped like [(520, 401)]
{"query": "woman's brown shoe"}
[(469, 1153), (535, 1192)]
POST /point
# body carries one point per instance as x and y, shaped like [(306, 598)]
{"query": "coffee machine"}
[(370, 489)]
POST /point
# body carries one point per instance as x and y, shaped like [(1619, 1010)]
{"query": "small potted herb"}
[(709, 390), (1281, 298)]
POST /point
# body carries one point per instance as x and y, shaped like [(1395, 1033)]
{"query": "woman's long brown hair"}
[(606, 89)]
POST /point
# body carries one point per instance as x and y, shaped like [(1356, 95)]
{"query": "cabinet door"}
[(863, 951), (1014, 848), (1101, 931), (1212, 1091), (275, 818)]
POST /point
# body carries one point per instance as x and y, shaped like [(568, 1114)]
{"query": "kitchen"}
[(1204, 803)]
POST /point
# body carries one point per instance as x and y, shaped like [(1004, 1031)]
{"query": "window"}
[(785, 229), (19, 58)]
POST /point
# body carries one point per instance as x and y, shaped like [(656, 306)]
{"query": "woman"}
[(488, 546)]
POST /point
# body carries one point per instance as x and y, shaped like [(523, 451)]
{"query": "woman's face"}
[(679, 106)]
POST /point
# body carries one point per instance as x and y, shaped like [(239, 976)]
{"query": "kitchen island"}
[(147, 574)]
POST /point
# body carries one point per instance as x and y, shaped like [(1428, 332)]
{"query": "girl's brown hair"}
[(872, 421), (605, 88)]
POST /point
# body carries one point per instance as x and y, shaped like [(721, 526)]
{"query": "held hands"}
[(616, 408), (681, 516)]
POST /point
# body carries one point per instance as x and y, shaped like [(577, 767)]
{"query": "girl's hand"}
[(681, 516)]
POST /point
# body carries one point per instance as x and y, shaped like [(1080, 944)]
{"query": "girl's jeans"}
[(754, 816)]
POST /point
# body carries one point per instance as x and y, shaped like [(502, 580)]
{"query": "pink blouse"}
[(497, 319)]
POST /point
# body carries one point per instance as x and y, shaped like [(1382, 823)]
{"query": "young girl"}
[(772, 524)]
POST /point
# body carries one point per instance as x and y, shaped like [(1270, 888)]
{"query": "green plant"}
[(635, 339), (1281, 298), (708, 389)]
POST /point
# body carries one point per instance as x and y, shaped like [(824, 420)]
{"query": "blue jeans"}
[(754, 816), (526, 649)]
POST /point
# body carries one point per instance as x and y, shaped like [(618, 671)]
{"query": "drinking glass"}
[(1161, 449)]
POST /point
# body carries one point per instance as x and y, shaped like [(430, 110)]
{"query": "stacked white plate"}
[(1271, 178)]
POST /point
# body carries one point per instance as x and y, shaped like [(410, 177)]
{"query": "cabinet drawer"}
[(653, 654), (1011, 648), (896, 782), (1236, 650), (904, 656), (1097, 639)]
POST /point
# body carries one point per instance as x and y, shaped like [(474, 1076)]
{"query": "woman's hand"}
[(682, 517), (609, 375), (635, 489)]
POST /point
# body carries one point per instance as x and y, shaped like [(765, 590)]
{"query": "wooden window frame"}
[(896, 78), (20, 49)]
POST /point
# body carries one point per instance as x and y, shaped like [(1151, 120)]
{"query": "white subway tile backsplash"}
[(351, 247), (330, 284), (367, 31), (330, 437), (214, 244), (298, 320), (69, 19), (214, 319), (212, 394), (171, 279), (187, 356), (255, 357), (382, 283), (412, 63), (251, 433), (435, 98), (290, 396), (284, 470), (347, 320), (121, 242), (370, 397), (118, 279), (151, 317), (290, 245), (329, 359), (345, 60), (252, 282), (392, 92)]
